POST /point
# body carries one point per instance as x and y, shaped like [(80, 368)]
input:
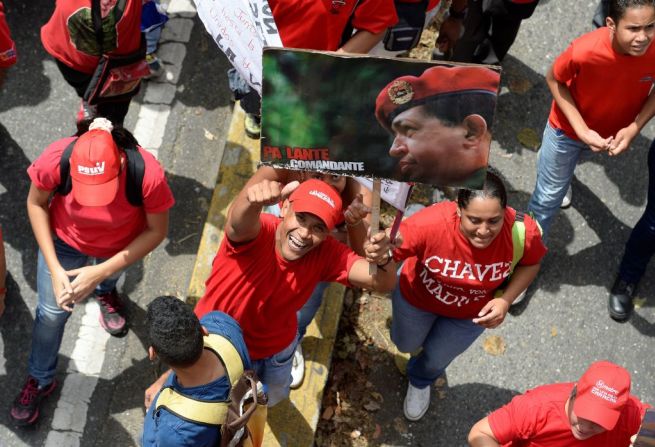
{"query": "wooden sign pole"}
[(375, 218)]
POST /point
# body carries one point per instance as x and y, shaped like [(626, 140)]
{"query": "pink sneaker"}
[(111, 309), (25, 409)]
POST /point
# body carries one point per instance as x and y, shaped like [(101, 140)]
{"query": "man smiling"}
[(598, 410), (266, 268), (440, 122)]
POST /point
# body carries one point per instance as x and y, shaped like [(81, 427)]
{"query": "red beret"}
[(406, 92)]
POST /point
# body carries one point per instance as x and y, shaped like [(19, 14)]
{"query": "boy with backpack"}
[(207, 357)]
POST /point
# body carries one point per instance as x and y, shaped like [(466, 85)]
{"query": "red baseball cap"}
[(406, 92), (318, 198), (602, 391), (94, 168)]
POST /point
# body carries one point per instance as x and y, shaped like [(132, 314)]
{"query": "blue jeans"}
[(641, 244), (556, 162), (50, 319), (275, 373), (441, 338), (308, 311)]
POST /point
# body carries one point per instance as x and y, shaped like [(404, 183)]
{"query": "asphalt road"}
[(38, 107), (563, 328)]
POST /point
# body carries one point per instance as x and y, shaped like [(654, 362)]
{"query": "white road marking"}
[(88, 355)]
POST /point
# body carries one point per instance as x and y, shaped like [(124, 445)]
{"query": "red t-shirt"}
[(7, 46), (444, 274), (69, 35), (262, 291), (319, 24), (99, 231), (538, 419), (609, 88)]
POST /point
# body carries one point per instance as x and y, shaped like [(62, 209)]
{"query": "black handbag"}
[(405, 34), (116, 78)]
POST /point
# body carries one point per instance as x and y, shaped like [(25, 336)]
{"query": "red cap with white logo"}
[(602, 391), (318, 198), (94, 168)]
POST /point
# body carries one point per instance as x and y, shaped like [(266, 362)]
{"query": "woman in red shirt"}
[(458, 256), (86, 238)]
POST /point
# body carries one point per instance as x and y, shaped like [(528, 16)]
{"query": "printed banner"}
[(241, 29), (394, 193), (373, 117)]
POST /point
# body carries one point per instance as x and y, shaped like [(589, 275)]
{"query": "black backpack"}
[(134, 182)]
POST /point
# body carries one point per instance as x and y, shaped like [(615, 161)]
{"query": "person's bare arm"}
[(38, 213), (624, 137), (153, 389), (361, 42), (566, 103), (452, 28), (495, 311), (243, 218), (88, 277), (481, 435), (377, 249)]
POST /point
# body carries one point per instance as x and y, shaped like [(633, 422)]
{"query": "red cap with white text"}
[(318, 198)]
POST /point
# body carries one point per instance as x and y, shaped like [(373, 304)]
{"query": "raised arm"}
[(243, 217)]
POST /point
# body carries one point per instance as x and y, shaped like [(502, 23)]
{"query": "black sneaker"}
[(111, 313), (252, 125), (620, 304), (25, 410)]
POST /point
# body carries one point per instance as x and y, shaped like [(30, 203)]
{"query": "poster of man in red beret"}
[(381, 118)]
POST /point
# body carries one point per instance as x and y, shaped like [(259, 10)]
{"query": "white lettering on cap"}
[(98, 169), (605, 392), (324, 197)]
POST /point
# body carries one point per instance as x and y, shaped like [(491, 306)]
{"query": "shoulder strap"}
[(65, 182), (135, 171), (96, 15), (205, 412), (518, 238), (228, 355)]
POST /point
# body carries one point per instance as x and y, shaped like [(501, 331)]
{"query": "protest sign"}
[(379, 118), (241, 29)]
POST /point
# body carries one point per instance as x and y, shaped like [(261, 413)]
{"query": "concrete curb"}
[(292, 422)]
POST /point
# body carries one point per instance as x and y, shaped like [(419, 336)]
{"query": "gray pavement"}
[(562, 329), (38, 107)]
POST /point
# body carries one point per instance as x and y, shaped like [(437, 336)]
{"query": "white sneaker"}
[(566, 201), (417, 402), (519, 298), (297, 368)]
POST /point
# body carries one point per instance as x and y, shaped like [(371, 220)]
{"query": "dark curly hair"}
[(174, 331)]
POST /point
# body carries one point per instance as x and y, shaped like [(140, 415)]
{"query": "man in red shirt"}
[(266, 268), (7, 47), (598, 410)]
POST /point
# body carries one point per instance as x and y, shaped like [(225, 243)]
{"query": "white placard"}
[(393, 192), (241, 29)]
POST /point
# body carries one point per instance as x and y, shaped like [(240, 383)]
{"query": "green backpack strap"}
[(518, 239), (205, 412)]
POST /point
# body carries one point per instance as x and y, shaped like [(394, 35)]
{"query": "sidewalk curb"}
[(292, 422)]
